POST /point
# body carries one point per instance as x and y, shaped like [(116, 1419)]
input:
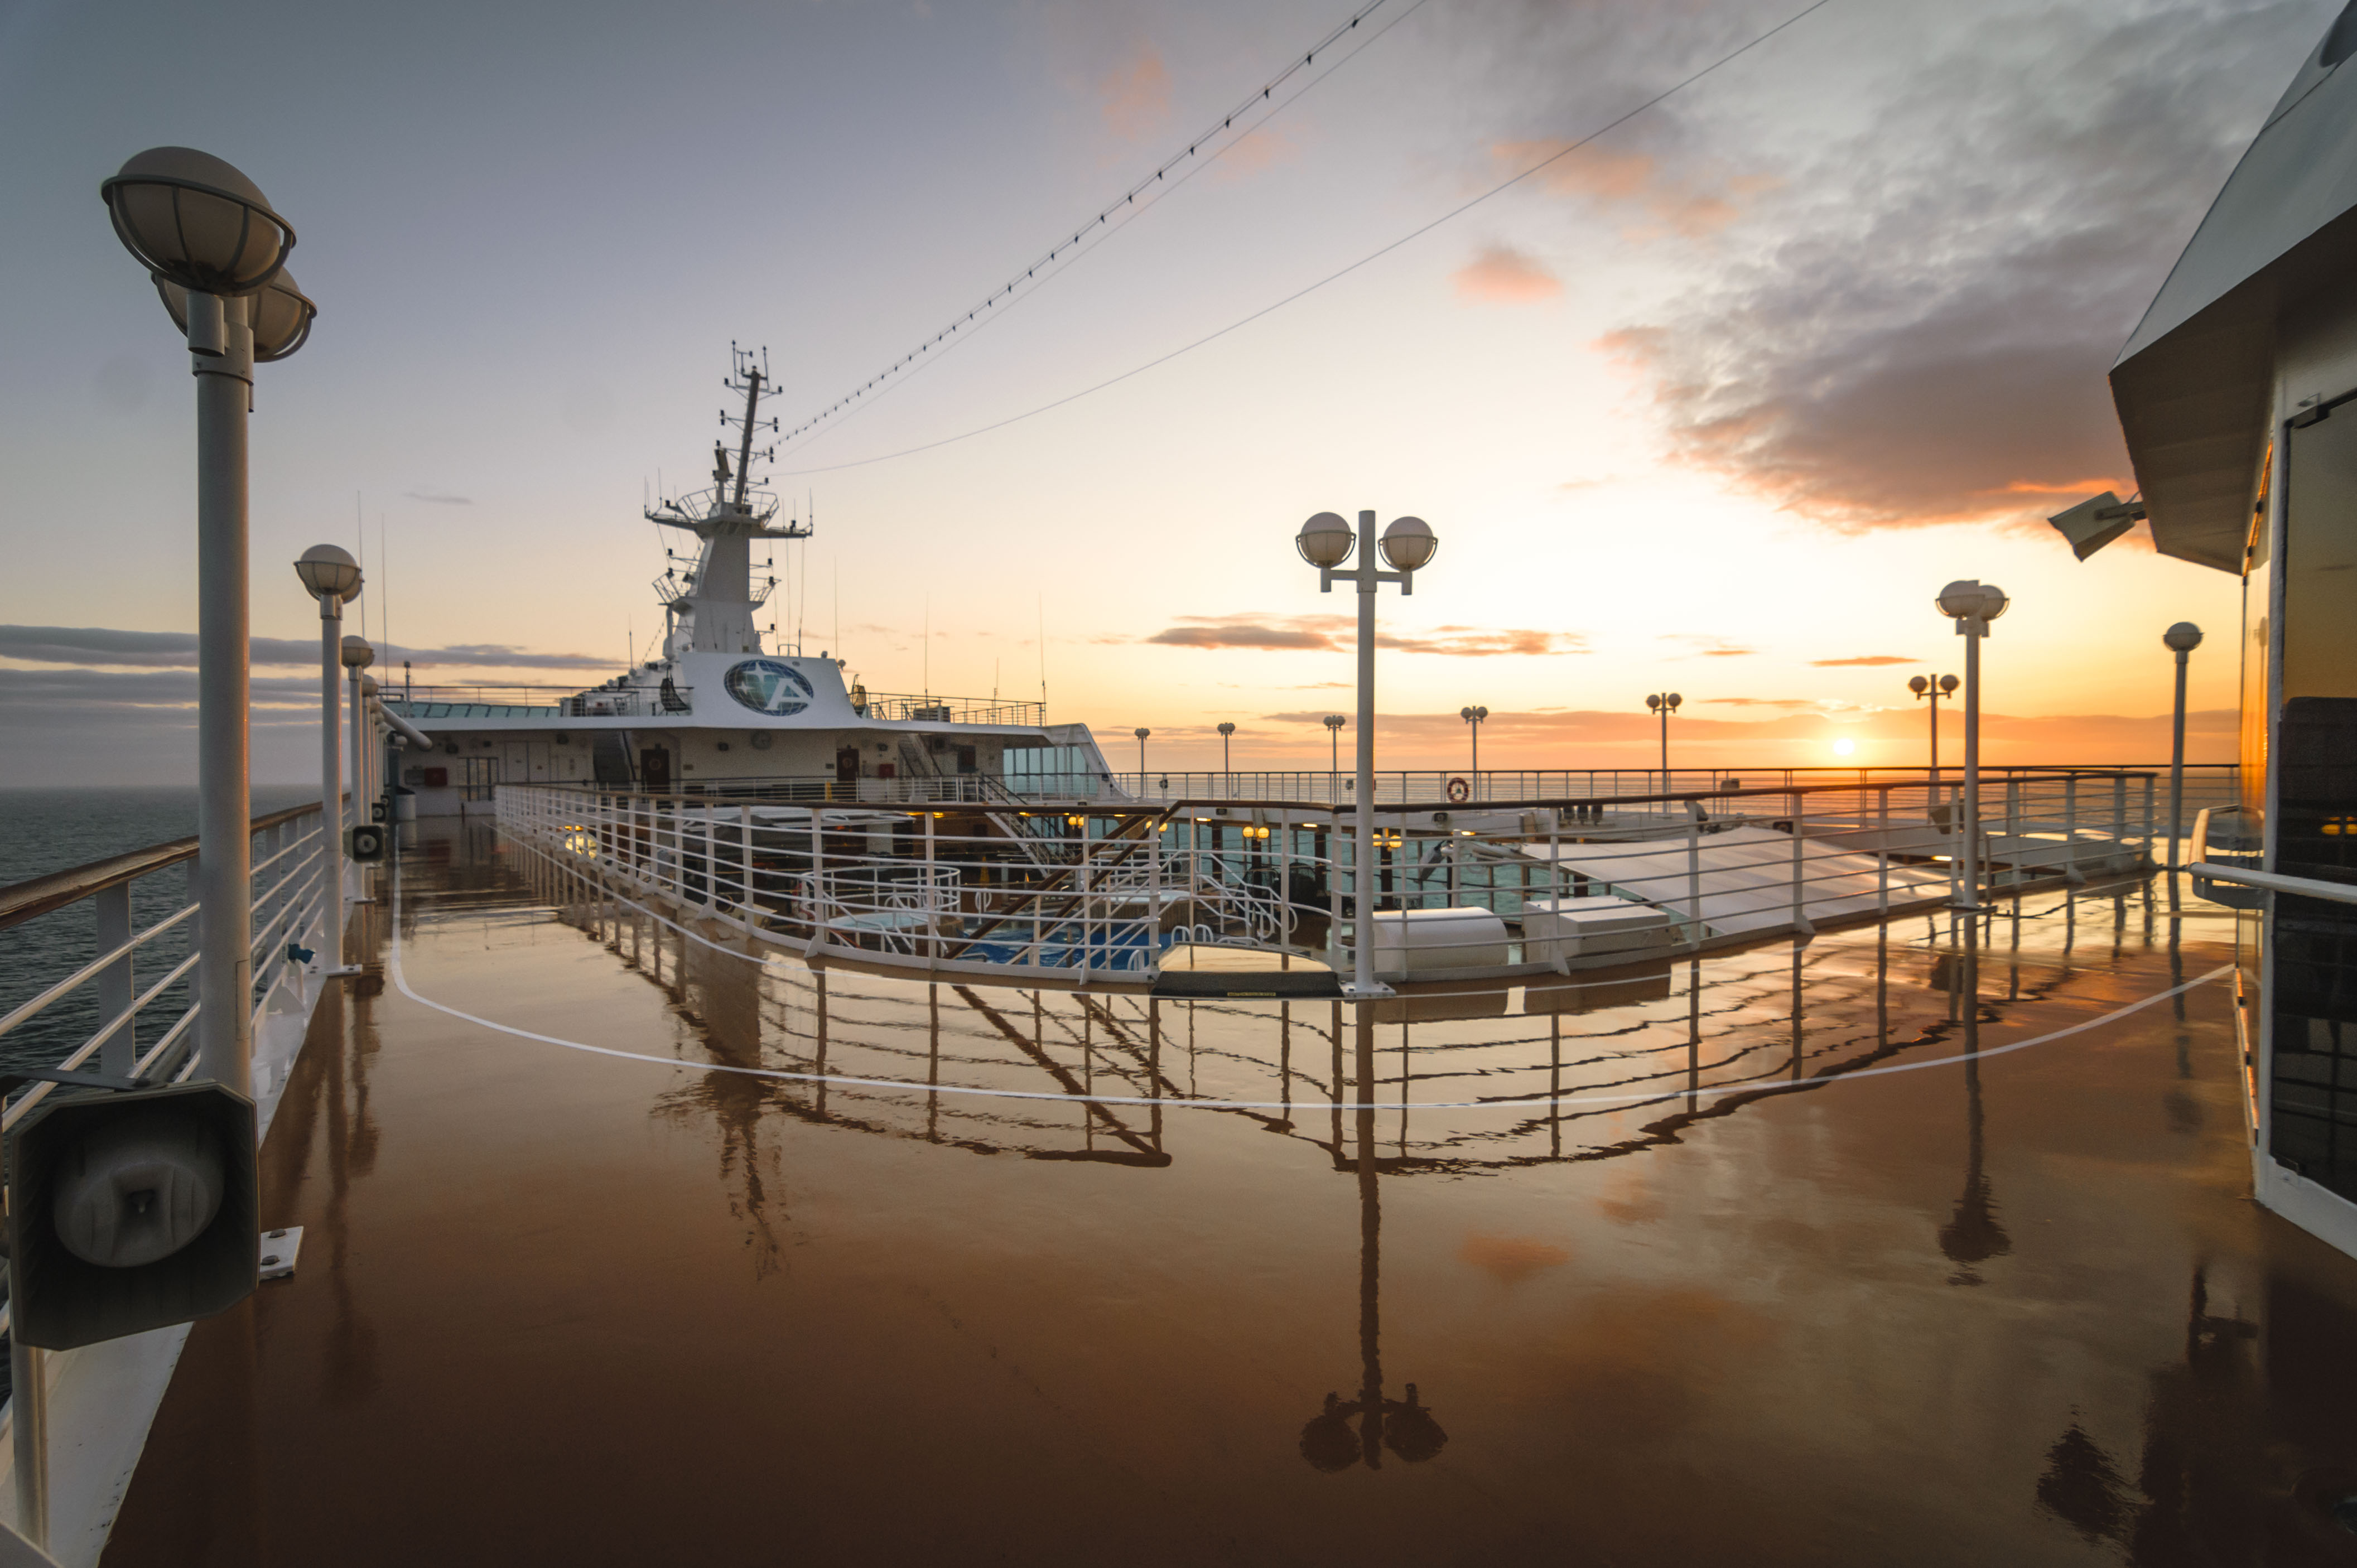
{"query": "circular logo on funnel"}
[(768, 686)]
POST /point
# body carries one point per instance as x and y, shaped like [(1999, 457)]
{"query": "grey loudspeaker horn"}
[(130, 1211)]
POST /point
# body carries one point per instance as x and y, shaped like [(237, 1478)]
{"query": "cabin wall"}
[(2299, 687)]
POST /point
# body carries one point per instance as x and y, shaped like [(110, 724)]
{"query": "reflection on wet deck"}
[(1698, 1300)]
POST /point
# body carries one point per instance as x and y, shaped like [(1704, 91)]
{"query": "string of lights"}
[(1339, 272), (1202, 151)]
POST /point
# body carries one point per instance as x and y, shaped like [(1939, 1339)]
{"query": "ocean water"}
[(47, 830)]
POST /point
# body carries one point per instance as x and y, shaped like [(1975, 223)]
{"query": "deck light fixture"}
[(198, 225), (1664, 704), (333, 577), (1407, 545), (1141, 732), (279, 313), (1971, 605), (1325, 540), (1932, 689), (2181, 639), (1473, 717), (1226, 730), (1334, 723)]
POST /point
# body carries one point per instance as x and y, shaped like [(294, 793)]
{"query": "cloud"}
[(177, 650), (438, 497), (1922, 326), (1863, 661), (64, 693), (1502, 276), (1136, 94), (1762, 702), (1233, 633), (1335, 633), (1709, 647), (1262, 147), (1689, 207)]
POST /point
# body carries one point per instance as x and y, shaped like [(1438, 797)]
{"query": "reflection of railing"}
[(1502, 887), (902, 708)]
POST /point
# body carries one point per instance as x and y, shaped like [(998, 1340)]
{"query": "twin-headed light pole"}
[(1971, 605), (216, 251), (1326, 542)]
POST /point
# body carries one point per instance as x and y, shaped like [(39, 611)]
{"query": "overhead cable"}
[(1335, 276), (1201, 150)]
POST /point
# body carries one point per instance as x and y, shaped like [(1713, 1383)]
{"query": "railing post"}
[(1693, 880), (2071, 828), (748, 907), (113, 907), (1882, 855), (933, 899), (29, 1402), (2013, 828), (2150, 819), (2120, 812), (817, 874)]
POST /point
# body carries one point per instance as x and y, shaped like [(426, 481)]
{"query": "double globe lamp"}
[(1408, 545), (216, 251)]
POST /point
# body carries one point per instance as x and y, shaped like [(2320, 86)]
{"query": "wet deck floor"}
[(563, 1308)]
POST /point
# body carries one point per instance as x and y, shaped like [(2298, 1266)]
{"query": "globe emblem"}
[(768, 686)]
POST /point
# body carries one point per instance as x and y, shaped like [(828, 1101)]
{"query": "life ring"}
[(1460, 792)]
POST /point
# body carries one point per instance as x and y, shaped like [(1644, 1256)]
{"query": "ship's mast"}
[(717, 604)]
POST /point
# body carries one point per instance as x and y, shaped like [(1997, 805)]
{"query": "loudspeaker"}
[(364, 841), (130, 1211)]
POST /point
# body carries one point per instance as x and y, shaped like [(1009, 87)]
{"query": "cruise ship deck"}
[(1803, 1266)]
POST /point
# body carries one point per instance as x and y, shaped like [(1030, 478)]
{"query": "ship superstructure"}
[(724, 709)]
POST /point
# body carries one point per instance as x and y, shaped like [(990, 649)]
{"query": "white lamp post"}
[(358, 656), (1971, 605), (2181, 639), (1334, 723), (1227, 768), (1932, 689), (1473, 717), (1141, 732), (214, 246), (1664, 704), (333, 577), (1326, 542)]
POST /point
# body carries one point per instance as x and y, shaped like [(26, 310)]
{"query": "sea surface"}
[(47, 830)]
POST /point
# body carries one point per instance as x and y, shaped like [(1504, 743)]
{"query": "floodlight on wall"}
[(2096, 522)]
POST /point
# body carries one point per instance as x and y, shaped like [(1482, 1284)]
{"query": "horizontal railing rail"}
[(2275, 882), (96, 1007)]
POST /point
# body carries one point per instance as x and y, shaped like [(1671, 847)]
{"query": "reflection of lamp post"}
[(1971, 605), (1403, 1426), (203, 229), (1473, 717), (1932, 689), (1664, 704), (333, 577), (1326, 542), (2181, 639), (1972, 1235)]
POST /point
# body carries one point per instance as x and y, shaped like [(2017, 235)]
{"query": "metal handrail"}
[(38, 896), (2275, 882)]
